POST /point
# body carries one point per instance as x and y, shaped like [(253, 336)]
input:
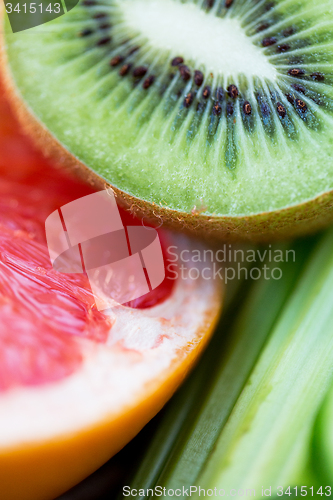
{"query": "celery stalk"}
[(322, 443), (181, 451), (264, 441)]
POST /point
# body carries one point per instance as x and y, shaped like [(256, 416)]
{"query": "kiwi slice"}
[(216, 115)]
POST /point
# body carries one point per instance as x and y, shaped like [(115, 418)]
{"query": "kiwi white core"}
[(219, 45)]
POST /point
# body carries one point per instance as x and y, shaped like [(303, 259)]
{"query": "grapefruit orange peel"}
[(56, 434)]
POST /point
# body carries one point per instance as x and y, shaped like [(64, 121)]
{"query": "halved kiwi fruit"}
[(215, 115)]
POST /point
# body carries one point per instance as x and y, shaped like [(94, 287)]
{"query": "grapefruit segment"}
[(77, 384)]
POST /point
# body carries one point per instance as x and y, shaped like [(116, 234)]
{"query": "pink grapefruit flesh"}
[(77, 384)]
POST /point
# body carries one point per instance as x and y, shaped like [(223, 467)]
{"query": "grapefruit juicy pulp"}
[(77, 384)]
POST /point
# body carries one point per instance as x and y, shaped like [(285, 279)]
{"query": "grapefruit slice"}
[(77, 384)]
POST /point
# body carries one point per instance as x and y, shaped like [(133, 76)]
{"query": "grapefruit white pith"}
[(77, 384)]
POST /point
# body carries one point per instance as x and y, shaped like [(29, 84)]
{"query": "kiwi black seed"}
[(301, 105), (217, 109), (296, 72), (140, 71), (187, 86), (206, 92), (86, 32), (187, 118), (288, 31), (188, 100), (247, 108), (148, 82), (176, 61), (116, 60), (262, 27), (318, 77), (230, 109), (210, 4), (284, 47), (185, 72), (299, 88), (281, 110), (198, 78), (133, 50), (105, 40), (290, 98), (100, 15), (267, 42), (233, 91), (104, 26), (125, 69)]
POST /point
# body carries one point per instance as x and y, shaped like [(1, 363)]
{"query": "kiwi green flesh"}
[(264, 148)]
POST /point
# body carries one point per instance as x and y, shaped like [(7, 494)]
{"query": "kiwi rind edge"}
[(296, 220)]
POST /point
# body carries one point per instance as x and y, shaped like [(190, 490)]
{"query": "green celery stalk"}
[(321, 460), (180, 452), (265, 440)]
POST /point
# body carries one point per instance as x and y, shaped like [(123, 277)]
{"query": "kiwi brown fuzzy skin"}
[(287, 223)]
